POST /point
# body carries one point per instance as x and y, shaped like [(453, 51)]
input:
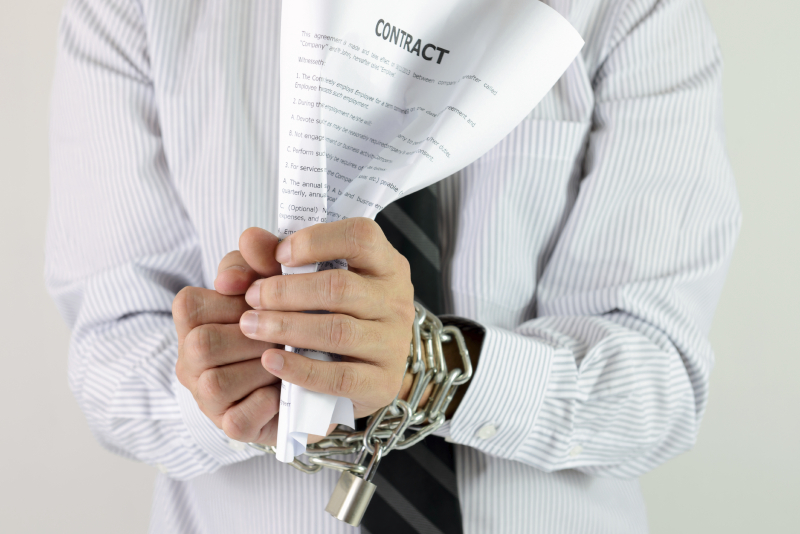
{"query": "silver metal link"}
[(401, 424)]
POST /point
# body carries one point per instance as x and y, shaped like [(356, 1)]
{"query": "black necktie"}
[(417, 490)]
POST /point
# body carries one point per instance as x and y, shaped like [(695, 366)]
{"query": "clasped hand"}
[(231, 340)]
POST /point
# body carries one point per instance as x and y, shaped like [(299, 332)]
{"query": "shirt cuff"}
[(211, 440), (505, 395)]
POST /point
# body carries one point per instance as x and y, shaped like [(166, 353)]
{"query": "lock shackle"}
[(372, 467)]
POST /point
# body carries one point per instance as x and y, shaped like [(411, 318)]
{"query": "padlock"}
[(352, 494), (350, 498)]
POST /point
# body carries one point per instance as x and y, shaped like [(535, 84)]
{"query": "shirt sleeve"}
[(611, 377), (120, 246)]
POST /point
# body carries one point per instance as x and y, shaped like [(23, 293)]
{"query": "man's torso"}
[(215, 72)]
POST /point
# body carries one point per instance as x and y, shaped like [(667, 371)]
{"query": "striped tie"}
[(417, 490)]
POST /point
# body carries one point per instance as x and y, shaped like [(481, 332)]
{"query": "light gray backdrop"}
[(742, 476)]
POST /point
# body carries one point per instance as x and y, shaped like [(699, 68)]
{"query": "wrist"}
[(473, 336)]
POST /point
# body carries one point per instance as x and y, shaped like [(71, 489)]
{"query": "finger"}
[(360, 241), (234, 275), (369, 386), (246, 421), (194, 306), (269, 433), (335, 290), (221, 387), (328, 332), (214, 345), (258, 249)]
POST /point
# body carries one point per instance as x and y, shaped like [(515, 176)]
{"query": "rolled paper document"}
[(379, 100)]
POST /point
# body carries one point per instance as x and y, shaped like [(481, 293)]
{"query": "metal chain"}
[(403, 423)]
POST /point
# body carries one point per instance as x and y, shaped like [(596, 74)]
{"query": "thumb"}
[(255, 260), (258, 250), (234, 275)]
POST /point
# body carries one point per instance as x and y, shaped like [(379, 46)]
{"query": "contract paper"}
[(379, 100)]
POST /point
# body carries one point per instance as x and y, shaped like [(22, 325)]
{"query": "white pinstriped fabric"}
[(592, 244)]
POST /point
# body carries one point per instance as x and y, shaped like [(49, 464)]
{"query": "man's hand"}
[(216, 362), (372, 307)]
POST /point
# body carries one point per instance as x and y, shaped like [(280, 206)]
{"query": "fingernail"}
[(253, 295), (249, 323), (273, 361), (284, 251)]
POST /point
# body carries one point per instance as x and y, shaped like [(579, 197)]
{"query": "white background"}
[(742, 477)]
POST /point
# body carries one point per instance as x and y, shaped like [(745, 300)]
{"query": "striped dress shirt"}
[(591, 243)]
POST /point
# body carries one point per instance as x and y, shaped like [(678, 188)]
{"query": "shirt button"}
[(576, 451), (487, 431), (162, 468), (236, 445)]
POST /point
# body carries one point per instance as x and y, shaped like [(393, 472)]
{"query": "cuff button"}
[(236, 445), (487, 431), (575, 451)]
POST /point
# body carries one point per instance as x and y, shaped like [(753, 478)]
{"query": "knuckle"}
[(362, 234), (187, 307), (209, 385), (312, 377), (338, 287), (347, 380), (341, 331), (199, 345), (283, 326), (274, 326), (236, 426), (277, 288), (242, 422)]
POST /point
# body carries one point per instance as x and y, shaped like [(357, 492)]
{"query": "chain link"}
[(403, 423)]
